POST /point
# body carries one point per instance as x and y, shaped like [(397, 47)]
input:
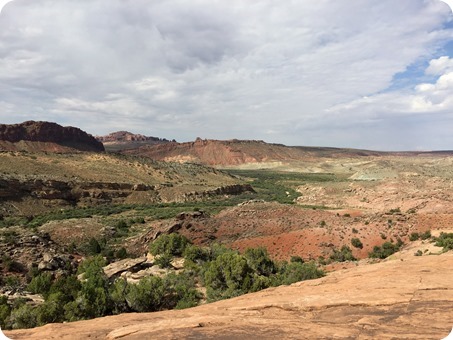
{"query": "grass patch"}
[(280, 186)]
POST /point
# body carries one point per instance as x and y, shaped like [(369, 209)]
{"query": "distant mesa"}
[(123, 140), (256, 153), (39, 136), (235, 152)]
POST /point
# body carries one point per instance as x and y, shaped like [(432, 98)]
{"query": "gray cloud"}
[(307, 72)]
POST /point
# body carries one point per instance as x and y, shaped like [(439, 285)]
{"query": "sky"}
[(347, 73)]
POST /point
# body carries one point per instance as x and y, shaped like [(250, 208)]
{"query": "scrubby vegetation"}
[(279, 185), (387, 249), (357, 243), (445, 240), (342, 255), (88, 293)]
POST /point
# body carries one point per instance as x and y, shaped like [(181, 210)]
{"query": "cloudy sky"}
[(348, 73)]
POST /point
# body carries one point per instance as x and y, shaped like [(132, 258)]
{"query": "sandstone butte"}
[(403, 298)]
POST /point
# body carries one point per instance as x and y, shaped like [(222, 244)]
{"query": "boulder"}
[(116, 268)]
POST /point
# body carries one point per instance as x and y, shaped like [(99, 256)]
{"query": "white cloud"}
[(292, 72), (440, 65)]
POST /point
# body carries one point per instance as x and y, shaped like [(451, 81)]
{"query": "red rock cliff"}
[(47, 132)]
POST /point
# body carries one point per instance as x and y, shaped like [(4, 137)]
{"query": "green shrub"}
[(342, 255), (40, 284), (10, 237), (295, 271), (164, 260), (93, 299), (122, 225), (196, 254), (296, 258), (121, 253), (445, 240), (93, 247), (12, 282), (23, 317), (181, 291), (146, 296), (357, 243), (173, 244), (259, 261), (51, 311), (227, 276), (118, 292), (426, 235), (414, 236), (68, 285), (5, 311), (384, 251)]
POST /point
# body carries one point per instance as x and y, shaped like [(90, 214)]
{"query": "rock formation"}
[(50, 136), (236, 152), (123, 140), (61, 193), (125, 136), (408, 298)]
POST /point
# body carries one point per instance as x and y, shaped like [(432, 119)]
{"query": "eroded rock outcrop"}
[(53, 137), (123, 140), (60, 193)]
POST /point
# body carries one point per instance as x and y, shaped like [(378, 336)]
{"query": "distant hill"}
[(123, 140), (238, 152), (36, 136)]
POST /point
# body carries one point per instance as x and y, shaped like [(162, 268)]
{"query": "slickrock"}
[(408, 298)]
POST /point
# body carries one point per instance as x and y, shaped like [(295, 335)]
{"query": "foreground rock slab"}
[(409, 298)]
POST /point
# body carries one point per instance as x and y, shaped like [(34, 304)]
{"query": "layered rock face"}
[(124, 140), (125, 136), (237, 152), (17, 137), (60, 193), (408, 298)]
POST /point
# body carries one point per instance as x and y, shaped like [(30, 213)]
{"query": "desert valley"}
[(135, 237)]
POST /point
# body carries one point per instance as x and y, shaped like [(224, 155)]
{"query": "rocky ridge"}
[(256, 153), (219, 153), (126, 136), (123, 140), (46, 136)]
